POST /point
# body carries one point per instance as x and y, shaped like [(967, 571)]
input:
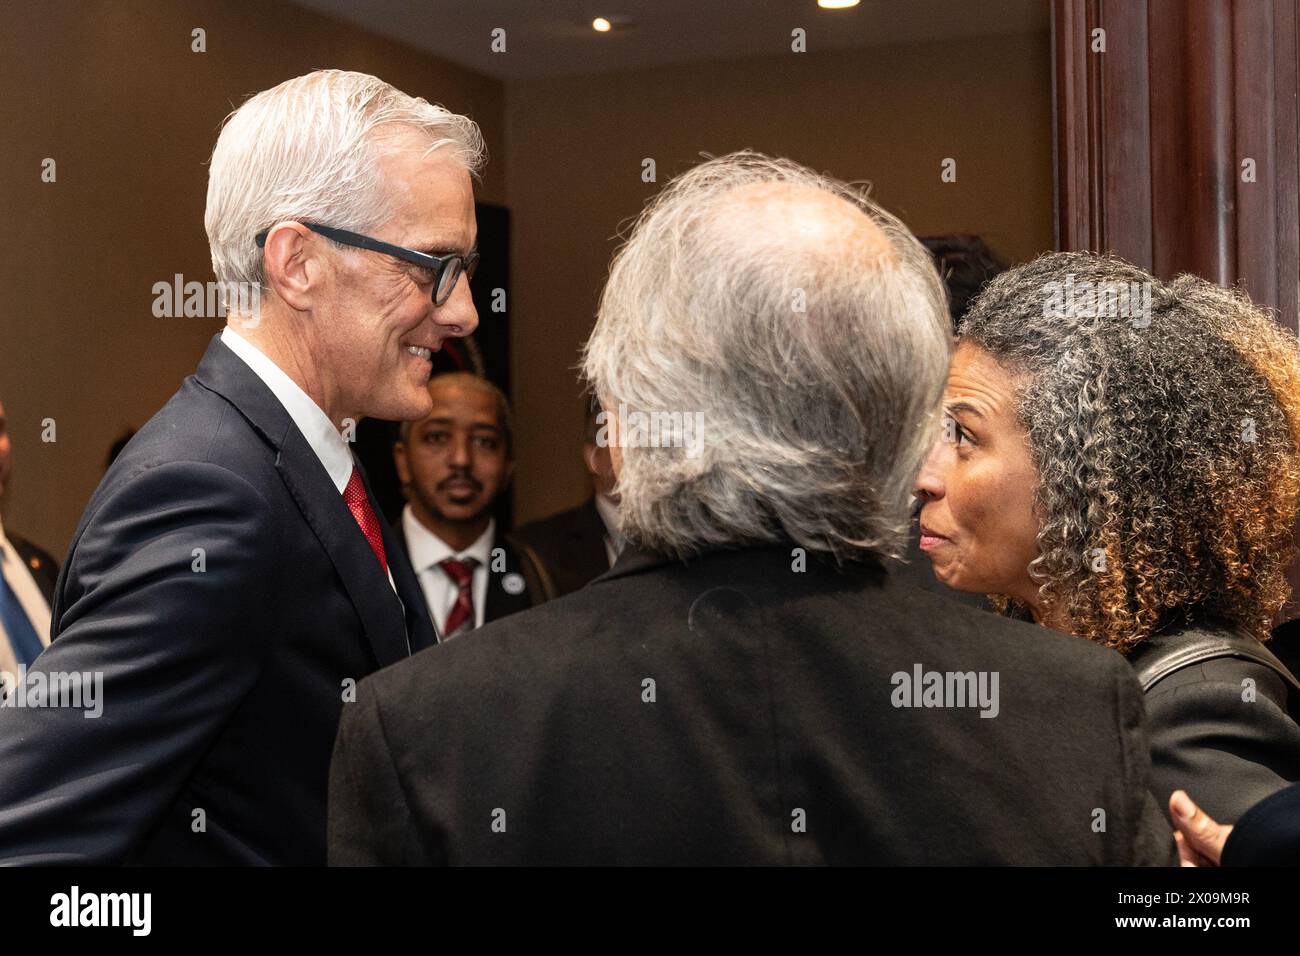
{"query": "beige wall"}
[(110, 89), (112, 92), (890, 116)]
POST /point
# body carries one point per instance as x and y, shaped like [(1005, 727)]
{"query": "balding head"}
[(803, 328), (781, 215)]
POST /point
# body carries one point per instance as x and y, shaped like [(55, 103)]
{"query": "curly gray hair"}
[(1165, 438), (807, 330)]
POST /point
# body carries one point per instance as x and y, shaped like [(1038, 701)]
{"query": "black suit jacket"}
[(735, 711), (512, 588), (219, 583), (43, 568), (570, 546), (1268, 834)]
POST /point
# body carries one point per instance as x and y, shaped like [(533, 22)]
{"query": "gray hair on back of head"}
[(815, 364)]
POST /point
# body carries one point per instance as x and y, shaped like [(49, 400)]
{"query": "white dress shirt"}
[(325, 440), (29, 597), (607, 508), (426, 549)]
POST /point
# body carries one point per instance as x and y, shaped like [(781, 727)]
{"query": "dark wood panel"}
[(1151, 135), (1286, 79), (1126, 132), (1254, 81), (1072, 144)]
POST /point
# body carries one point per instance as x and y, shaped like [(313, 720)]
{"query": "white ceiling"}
[(554, 37)]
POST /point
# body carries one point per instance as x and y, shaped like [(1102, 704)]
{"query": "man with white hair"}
[(230, 580), (748, 683)]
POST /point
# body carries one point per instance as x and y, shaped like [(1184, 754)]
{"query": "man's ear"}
[(399, 461), (589, 452), (292, 265)]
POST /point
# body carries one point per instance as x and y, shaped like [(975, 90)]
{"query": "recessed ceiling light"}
[(601, 25), (837, 4)]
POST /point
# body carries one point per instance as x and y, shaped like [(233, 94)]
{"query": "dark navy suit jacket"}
[(570, 546), (1268, 834), (222, 588)]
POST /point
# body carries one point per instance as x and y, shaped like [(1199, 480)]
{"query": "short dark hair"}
[(966, 264), (504, 416)]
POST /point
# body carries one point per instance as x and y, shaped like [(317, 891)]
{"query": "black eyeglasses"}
[(445, 269)]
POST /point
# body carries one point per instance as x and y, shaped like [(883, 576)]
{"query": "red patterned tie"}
[(461, 615), (359, 504)]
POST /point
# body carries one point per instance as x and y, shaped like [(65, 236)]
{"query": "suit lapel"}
[(507, 591), (320, 503), (363, 577), (419, 626)]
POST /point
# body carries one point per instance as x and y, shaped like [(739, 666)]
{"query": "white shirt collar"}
[(311, 420), (426, 549), (607, 508)]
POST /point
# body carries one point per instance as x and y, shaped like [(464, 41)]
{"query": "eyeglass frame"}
[(435, 264)]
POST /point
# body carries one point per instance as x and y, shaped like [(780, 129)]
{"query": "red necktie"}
[(461, 615), (359, 504)]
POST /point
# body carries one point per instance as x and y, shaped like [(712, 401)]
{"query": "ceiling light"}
[(837, 4), (601, 25)]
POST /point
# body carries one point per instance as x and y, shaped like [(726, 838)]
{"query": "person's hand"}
[(1200, 840)]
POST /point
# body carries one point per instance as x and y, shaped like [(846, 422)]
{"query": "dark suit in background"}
[(224, 669), (734, 711), (1268, 834), (570, 546), (1285, 643), (27, 575), (42, 567)]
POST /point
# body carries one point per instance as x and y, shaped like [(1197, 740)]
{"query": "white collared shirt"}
[(325, 440), (320, 432), (29, 597), (426, 549), (607, 508)]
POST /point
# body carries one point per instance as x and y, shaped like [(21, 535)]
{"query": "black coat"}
[(736, 711), (570, 546), (224, 669)]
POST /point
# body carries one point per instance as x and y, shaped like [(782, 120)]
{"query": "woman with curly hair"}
[(1121, 461)]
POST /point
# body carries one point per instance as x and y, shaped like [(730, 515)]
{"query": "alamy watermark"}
[(922, 688), (133, 911), (1090, 300), (207, 300), (49, 689), (658, 429)]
